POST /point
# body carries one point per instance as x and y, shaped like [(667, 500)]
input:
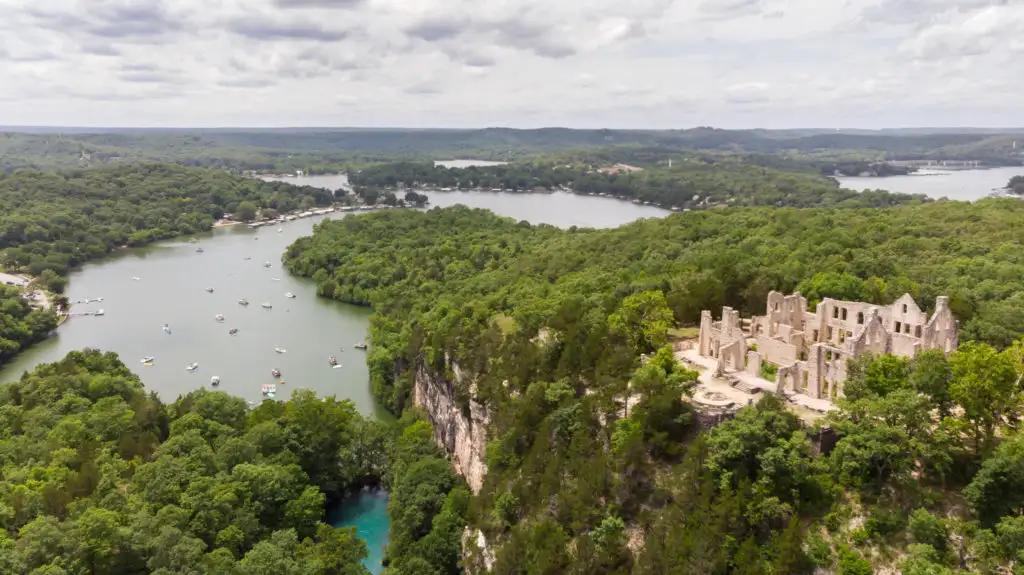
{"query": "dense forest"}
[(97, 476), (317, 150), (689, 184), (550, 325), (51, 222)]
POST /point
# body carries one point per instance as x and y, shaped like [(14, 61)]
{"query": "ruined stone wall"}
[(775, 351)]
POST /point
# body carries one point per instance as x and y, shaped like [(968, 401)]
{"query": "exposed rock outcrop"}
[(461, 433), (477, 554)]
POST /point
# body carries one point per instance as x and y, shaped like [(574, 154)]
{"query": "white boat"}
[(136, 278), (280, 349), (192, 367), (233, 331), (167, 329), (289, 295), (275, 279), (360, 345), (267, 305), (218, 317), (215, 381), (209, 289), (243, 301), (267, 264), (279, 230), (100, 312), (147, 359), (336, 366), (199, 250), (269, 389)]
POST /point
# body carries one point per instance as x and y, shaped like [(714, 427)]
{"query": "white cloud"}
[(523, 63)]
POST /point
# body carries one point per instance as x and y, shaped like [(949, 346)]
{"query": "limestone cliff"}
[(462, 435)]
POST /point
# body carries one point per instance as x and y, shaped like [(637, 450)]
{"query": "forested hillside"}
[(690, 184), (550, 324), (334, 149), (97, 476)]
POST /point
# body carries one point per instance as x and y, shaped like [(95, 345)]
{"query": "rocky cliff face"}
[(462, 435)]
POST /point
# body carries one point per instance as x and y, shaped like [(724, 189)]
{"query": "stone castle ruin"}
[(810, 349)]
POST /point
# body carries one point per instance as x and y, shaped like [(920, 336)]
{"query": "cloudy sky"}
[(518, 63)]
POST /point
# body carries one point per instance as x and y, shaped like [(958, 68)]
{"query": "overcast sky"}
[(517, 63)]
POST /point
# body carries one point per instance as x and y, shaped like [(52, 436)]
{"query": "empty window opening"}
[(844, 314), (860, 317), (917, 331), (898, 327), (906, 328), (904, 308), (835, 313), (815, 335), (828, 333)]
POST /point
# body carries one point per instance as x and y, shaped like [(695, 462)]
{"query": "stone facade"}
[(810, 349)]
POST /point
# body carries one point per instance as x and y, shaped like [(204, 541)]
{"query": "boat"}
[(267, 264), (275, 279), (275, 372), (199, 250), (279, 230), (280, 349), (247, 258), (332, 360), (135, 278), (336, 366), (243, 301), (215, 381), (289, 295), (192, 367), (360, 345), (147, 359), (100, 312), (209, 289), (218, 317), (167, 329), (269, 389), (267, 305), (233, 331)]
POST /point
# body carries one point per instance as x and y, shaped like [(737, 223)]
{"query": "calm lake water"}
[(171, 289), (557, 208), (466, 163), (968, 185), (368, 513)]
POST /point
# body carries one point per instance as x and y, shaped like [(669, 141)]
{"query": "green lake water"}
[(368, 513)]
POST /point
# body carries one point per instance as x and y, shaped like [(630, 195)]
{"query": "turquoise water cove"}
[(367, 511)]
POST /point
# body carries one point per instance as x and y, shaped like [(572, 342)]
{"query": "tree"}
[(246, 212), (986, 386)]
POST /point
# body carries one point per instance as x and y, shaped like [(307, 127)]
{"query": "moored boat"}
[(267, 305), (167, 329), (289, 295), (147, 359), (100, 312), (218, 317), (360, 345), (215, 381), (209, 289), (280, 349), (275, 372), (243, 301), (233, 331), (192, 367), (266, 264), (332, 360)]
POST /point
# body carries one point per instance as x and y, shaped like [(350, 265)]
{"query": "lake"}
[(560, 209), (467, 163), (171, 289), (967, 185)]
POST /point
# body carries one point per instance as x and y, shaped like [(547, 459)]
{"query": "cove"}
[(367, 511)]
